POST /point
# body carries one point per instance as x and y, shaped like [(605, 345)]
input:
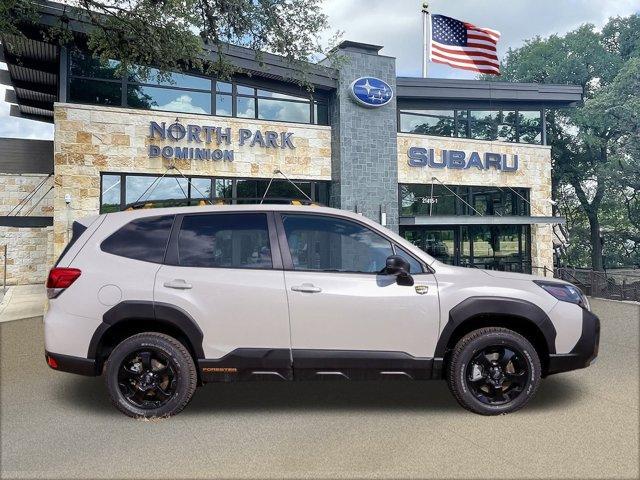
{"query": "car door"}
[(347, 318), (222, 270)]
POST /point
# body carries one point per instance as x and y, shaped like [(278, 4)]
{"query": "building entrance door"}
[(439, 242), (492, 247)]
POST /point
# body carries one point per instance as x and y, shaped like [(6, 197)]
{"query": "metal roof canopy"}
[(21, 155), (480, 220), (468, 93)]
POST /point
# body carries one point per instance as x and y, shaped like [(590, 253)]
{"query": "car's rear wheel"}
[(150, 375), (493, 371)]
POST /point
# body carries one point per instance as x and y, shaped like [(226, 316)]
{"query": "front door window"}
[(334, 245)]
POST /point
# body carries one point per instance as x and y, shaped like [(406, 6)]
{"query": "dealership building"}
[(460, 167)]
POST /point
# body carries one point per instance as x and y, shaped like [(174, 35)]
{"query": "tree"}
[(172, 35), (594, 146)]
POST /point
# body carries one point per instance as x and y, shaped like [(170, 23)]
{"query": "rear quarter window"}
[(142, 239)]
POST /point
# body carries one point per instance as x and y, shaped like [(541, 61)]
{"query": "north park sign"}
[(201, 135), (460, 160)]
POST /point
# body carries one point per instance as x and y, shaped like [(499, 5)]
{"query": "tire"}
[(493, 371), (150, 375)]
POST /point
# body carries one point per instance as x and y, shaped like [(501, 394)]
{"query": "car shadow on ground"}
[(90, 394)]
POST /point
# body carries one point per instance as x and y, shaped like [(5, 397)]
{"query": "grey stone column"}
[(364, 155)]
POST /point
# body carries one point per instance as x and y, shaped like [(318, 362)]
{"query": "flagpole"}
[(426, 37)]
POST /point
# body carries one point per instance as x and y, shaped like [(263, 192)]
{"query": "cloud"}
[(183, 103), (398, 25), (13, 127)]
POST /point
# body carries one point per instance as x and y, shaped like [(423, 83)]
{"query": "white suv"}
[(163, 300)]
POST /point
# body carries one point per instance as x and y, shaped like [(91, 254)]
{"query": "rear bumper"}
[(66, 363), (584, 352)]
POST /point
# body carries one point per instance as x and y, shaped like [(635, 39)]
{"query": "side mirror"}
[(398, 266)]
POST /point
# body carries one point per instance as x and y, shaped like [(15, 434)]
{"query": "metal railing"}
[(604, 284)]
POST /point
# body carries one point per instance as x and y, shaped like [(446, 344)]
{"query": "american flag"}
[(463, 45)]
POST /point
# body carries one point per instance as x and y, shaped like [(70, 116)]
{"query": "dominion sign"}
[(199, 136)]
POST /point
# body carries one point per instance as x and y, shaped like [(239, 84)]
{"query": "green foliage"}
[(596, 146), (172, 35)]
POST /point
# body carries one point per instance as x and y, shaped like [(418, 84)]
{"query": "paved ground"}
[(22, 301), (582, 424)]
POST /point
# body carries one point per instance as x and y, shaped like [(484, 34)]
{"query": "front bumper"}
[(584, 352), (67, 363)]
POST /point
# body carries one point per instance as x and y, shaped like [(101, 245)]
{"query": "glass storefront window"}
[(224, 188), (180, 80), (530, 127), (224, 87), (417, 199), (147, 188), (95, 92), (462, 123), (84, 64), (428, 122), (283, 110), (154, 191), (483, 125), (246, 107), (503, 125), (493, 247), (242, 90), (110, 198), (200, 188), (92, 81), (157, 98), (321, 113), (224, 105)]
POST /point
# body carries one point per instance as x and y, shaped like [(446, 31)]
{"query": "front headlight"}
[(565, 292)]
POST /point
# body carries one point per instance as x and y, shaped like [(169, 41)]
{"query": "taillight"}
[(60, 279)]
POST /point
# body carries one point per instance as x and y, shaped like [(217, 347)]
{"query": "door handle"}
[(178, 284), (306, 288)]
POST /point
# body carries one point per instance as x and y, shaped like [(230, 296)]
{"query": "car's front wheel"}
[(493, 371), (150, 375)]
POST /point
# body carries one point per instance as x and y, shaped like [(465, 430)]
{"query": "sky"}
[(397, 25)]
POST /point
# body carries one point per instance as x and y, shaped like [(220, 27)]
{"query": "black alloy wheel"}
[(150, 375), (497, 374), (147, 379), (493, 371)]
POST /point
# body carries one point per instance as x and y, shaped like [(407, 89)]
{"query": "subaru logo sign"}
[(371, 92)]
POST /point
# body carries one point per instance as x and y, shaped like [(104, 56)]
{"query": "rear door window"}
[(142, 239), (225, 241)]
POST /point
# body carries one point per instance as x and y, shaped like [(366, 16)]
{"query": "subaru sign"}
[(371, 92)]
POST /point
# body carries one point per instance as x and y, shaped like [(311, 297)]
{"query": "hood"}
[(520, 276)]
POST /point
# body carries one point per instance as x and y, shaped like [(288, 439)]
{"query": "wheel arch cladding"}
[(518, 315), (130, 317)]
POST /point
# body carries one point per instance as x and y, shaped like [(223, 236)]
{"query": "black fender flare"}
[(474, 306), (163, 313)]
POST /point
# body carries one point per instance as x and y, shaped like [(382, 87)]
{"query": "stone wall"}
[(364, 142), (29, 254), (534, 173), (14, 188), (92, 139), (29, 250)]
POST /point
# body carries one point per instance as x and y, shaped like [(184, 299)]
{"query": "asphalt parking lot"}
[(582, 424)]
